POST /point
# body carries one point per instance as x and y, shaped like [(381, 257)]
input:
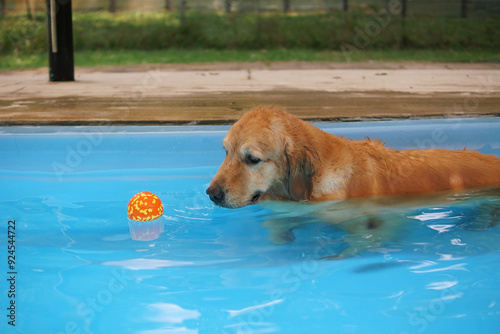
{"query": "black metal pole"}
[(463, 9), (28, 11), (404, 38), (286, 6), (112, 6), (345, 5), (183, 12), (60, 31)]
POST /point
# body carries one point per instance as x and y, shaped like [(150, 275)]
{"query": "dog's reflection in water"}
[(372, 222)]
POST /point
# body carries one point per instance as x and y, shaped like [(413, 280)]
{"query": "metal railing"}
[(456, 8)]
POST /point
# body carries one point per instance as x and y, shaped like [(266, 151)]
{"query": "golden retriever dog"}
[(272, 155)]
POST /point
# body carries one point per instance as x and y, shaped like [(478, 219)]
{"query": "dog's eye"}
[(251, 160)]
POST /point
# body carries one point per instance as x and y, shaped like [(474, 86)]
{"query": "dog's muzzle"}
[(219, 197), (216, 194)]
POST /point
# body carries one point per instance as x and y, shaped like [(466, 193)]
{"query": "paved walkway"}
[(220, 93)]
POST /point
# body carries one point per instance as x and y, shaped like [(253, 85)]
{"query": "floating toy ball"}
[(144, 206)]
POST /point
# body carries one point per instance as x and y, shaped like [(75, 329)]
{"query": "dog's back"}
[(377, 170)]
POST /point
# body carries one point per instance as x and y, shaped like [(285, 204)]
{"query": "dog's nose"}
[(216, 194)]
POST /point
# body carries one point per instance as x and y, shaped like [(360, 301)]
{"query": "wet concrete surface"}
[(225, 108), (221, 93)]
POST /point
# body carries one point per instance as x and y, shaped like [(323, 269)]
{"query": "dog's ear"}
[(299, 169)]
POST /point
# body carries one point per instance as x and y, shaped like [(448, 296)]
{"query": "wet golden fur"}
[(272, 155)]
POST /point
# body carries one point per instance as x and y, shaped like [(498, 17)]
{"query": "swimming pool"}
[(213, 270)]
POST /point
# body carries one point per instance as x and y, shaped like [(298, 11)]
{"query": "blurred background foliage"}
[(221, 25)]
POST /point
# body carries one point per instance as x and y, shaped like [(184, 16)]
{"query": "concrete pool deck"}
[(219, 93)]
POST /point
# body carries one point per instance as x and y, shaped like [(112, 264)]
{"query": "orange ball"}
[(144, 206)]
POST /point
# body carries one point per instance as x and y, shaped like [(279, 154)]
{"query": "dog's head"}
[(265, 158)]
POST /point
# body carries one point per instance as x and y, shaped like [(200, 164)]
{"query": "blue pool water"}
[(77, 268)]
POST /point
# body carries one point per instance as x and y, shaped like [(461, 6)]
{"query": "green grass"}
[(102, 38), (175, 56)]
